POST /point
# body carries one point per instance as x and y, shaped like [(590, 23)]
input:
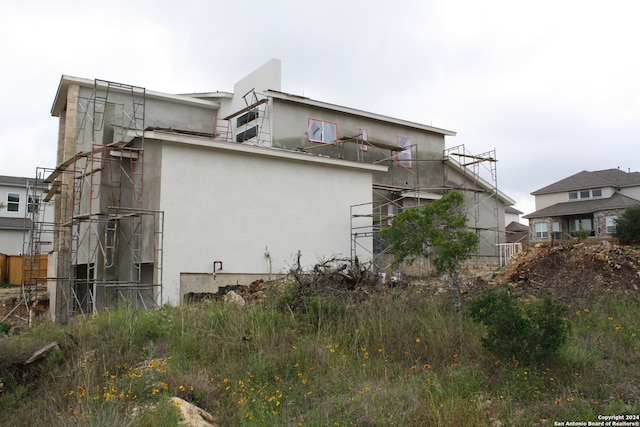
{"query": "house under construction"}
[(159, 195)]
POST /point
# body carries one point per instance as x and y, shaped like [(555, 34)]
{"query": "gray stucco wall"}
[(290, 122)]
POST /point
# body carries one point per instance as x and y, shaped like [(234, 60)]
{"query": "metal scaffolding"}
[(107, 247), (481, 204)]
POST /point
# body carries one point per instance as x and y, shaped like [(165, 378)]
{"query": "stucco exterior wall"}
[(290, 126), (11, 242), (252, 213), (546, 200)]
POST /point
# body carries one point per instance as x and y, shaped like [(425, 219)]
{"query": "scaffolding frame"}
[(481, 199), (388, 200), (253, 122), (476, 170), (108, 247)]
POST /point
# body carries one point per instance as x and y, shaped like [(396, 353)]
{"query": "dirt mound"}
[(574, 271)]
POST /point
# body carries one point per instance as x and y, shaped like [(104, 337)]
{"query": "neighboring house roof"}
[(617, 201), (15, 223), (585, 179), (516, 227), (348, 110), (512, 210)]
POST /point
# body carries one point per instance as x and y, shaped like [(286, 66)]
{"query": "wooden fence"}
[(17, 269)]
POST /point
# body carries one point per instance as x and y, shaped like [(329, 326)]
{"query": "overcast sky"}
[(552, 86)]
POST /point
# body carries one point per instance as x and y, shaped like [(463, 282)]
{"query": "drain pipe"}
[(267, 255), (216, 268)]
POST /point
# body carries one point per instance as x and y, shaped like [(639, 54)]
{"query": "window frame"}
[(247, 134), (542, 230), (247, 117), (324, 124), (610, 228), (13, 205)]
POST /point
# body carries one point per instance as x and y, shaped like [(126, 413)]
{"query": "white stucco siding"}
[(232, 207)]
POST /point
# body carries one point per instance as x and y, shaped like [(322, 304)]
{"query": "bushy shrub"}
[(528, 333), (628, 226), (4, 328)]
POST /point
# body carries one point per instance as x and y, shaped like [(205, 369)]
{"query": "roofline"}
[(60, 99), (23, 181), (353, 111), (257, 150), (483, 183), (583, 205)]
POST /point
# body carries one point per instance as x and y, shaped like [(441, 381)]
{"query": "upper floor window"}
[(247, 117), (404, 157), (585, 194), (247, 134), (322, 131), (13, 202)]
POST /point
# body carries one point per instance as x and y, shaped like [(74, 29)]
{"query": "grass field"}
[(397, 357)]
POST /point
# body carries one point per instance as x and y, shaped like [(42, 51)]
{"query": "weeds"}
[(398, 357)]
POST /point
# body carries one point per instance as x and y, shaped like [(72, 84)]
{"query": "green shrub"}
[(4, 328), (628, 226), (528, 334)]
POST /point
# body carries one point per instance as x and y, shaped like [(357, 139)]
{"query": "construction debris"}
[(574, 271)]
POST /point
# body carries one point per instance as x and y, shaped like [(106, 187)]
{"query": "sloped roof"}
[(516, 227), (283, 96), (586, 179), (617, 201), (512, 210)]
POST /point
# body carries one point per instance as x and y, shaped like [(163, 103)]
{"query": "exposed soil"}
[(577, 271)]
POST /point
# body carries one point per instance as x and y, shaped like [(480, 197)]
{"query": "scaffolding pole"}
[(109, 248)]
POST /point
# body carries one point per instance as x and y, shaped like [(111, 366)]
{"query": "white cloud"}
[(552, 86)]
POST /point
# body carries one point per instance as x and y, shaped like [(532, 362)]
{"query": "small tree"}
[(628, 226), (436, 231)]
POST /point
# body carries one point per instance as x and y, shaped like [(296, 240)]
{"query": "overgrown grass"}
[(401, 357)]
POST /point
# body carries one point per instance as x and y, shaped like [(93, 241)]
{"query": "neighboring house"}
[(158, 195), (584, 204), (17, 205), (516, 232)]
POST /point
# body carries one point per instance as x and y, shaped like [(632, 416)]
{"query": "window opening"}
[(247, 117), (322, 131), (542, 230), (13, 202), (247, 134), (404, 157)]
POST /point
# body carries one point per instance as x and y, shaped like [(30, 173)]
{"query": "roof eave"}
[(353, 111), (60, 100)]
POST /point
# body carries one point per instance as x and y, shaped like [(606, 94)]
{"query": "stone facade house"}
[(585, 204)]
